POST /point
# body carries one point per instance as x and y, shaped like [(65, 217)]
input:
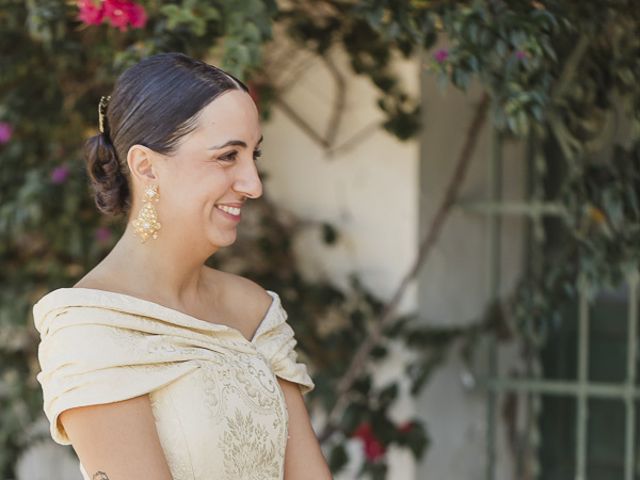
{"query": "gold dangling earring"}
[(146, 224)]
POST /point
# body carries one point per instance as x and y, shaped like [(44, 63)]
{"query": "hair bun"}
[(110, 186)]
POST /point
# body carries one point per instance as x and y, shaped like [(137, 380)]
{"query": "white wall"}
[(368, 192)]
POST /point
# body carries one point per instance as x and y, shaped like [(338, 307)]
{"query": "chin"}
[(222, 240)]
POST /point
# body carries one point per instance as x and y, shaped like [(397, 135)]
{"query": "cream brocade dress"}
[(219, 410)]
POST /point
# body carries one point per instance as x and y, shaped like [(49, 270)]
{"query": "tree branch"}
[(360, 358)]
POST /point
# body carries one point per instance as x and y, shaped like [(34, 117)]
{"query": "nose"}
[(248, 181)]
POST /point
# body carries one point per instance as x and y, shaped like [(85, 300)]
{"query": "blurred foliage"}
[(593, 240), (555, 71)]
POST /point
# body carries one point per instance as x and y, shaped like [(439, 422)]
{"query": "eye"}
[(233, 154), (229, 156)]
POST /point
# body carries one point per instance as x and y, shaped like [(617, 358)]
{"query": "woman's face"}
[(214, 165)]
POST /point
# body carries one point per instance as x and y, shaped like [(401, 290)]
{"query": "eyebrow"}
[(233, 142)]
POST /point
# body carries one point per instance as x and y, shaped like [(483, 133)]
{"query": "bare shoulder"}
[(243, 295)]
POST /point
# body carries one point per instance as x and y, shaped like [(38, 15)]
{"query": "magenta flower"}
[(521, 54), (441, 55), (91, 11), (59, 174), (103, 234), (373, 447), (119, 13), (137, 16), (5, 132)]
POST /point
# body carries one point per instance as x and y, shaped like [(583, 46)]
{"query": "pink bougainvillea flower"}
[(520, 54), (5, 132), (59, 174), (121, 13), (91, 11), (441, 55), (373, 448), (137, 16), (103, 234)]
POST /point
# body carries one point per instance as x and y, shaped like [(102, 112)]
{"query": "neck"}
[(167, 267)]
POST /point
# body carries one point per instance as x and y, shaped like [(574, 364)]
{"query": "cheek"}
[(198, 211), (200, 194), (187, 201)]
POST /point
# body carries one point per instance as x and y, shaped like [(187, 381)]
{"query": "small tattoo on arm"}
[(99, 476)]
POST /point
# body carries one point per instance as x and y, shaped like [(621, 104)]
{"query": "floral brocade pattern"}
[(214, 394), (247, 444)]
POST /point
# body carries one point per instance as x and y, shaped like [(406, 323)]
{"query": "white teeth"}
[(231, 210)]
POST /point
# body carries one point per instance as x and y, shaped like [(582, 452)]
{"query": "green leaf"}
[(352, 417), (388, 394), (338, 458), (378, 352), (363, 385)]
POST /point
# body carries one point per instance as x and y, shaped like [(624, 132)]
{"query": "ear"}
[(141, 163)]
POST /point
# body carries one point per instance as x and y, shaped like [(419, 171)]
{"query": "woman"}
[(155, 366)]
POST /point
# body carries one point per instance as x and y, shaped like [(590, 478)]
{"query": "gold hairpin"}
[(102, 109)]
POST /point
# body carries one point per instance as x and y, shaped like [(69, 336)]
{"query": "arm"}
[(303, 457), (117, 441)]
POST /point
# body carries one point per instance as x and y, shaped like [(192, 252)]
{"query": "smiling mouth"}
[(231, 212)]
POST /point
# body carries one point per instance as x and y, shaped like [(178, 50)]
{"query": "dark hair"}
[(154, 103)]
